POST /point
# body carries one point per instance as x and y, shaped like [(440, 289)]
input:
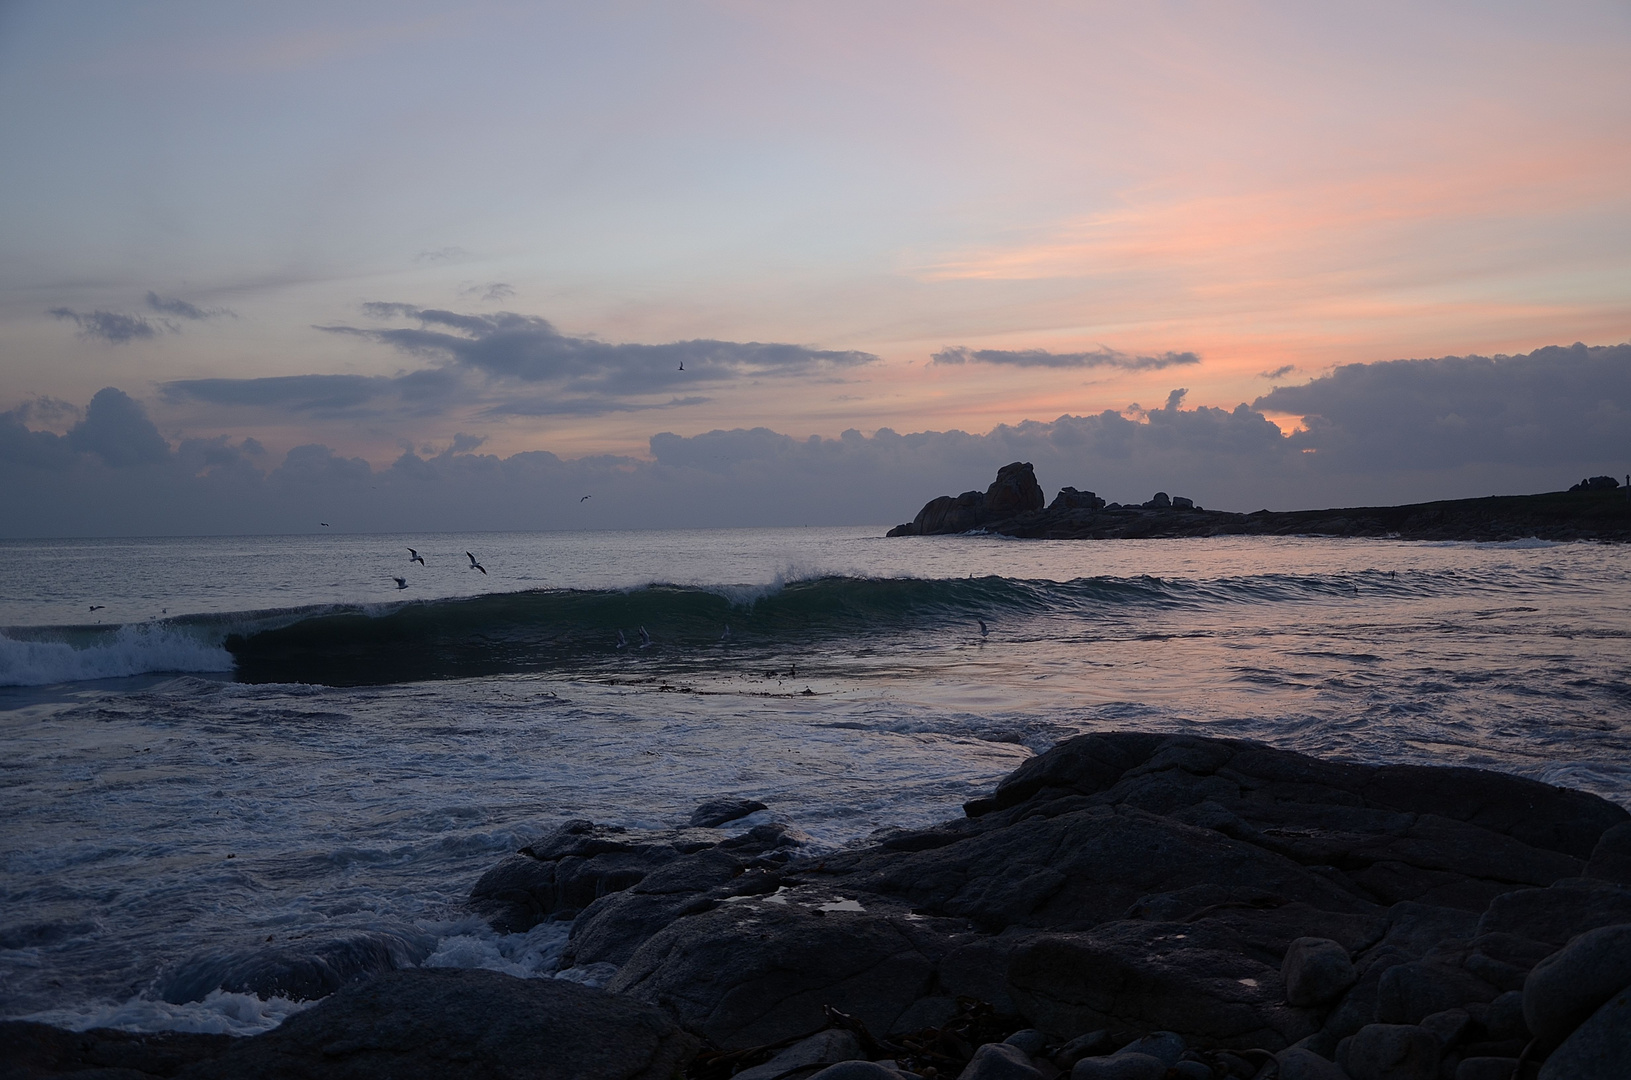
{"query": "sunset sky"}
[(487, 229)]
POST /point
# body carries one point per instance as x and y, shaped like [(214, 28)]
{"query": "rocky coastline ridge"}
[(1125, 905), (1597, 508)]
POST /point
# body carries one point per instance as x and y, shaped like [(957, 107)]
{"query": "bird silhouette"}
[(414, 556), (682, 365), (584, 499), (401, 583), (98, 607), (622, 642), (474, 565), (983, 630), (324, 524), (645, 639)]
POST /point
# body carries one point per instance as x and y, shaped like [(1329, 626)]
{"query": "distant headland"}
[(1597, 508)]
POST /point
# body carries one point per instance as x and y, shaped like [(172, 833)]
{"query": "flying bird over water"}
[(584, 499), (401, 583), (622, 642), (324, 524), (726, 636), (983, 630), (682, 365), (474, 565), (414, 556), (98, 607), (645, 639)]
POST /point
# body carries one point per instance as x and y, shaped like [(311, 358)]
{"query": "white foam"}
[(534, 954), (130, 650), (220, 1013)]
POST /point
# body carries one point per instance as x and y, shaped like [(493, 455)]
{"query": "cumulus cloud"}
[(112, 326), (1553, 405), (1379, 433), (1100, 357)]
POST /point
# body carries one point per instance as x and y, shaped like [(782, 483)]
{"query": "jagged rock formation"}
[(1014, 492)]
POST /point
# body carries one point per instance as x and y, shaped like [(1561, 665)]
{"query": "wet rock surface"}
[(1183, 906)]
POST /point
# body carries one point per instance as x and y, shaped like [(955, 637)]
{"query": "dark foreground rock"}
[(1582, 513), (1124, 904)]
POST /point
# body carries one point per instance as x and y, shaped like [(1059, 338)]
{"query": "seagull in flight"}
[(726, 636), (414, 556), (584, 499), (98, 607), (983, 630), (645, 639), (622, 642), (474, 565), (682, 365), (401, 583), (324, 524)]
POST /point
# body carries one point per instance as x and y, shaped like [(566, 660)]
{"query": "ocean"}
[(217, 747)]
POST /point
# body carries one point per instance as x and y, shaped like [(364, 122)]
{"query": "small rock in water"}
[(716, 812), (1316, 970)]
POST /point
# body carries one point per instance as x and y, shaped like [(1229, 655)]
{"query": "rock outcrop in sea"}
[(1594, 509), (1123, 905)]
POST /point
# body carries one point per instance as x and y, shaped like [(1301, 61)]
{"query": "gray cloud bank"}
[(1042, 358), (1390, 432)]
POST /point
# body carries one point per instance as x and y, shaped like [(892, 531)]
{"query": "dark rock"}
[(1557, 914), (1449, 1027), (1119, 1067), (1013, 493), (716, 812), (1000, 1061), (1142, 976), (1487, 1068), (1181, 503), (755, 972), (857, 1070), (1599, 1049), (1316, 970), (1092, 1044), (1071, 499), (1166, 1045), (1597, 483), (1408, 992), (29, 1050), (819, 1050), (560, 875), (1611, 858), (1571, 984), (1390, 1052), (1503, 1018), (1030, 1040), (1159, 502), (1298, 1063), (446, 1024), (299, 971)]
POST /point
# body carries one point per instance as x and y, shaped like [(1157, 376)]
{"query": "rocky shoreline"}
[(1013, 506), (1125, 905)]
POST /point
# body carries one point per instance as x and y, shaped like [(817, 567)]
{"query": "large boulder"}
[(762, 969), (1015, 491), (562, 874), (1568, 986), (450, 1024)]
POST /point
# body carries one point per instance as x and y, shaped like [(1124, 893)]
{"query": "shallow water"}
[(157, 811)]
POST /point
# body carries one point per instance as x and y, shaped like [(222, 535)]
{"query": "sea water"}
[(219, 747)]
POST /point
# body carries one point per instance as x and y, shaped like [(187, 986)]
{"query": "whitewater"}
[(221, 750)]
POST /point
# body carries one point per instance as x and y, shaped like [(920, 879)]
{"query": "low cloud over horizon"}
[(1100, 357), (1448, 427)]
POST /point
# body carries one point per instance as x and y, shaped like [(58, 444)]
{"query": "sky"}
[(423, 266)]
